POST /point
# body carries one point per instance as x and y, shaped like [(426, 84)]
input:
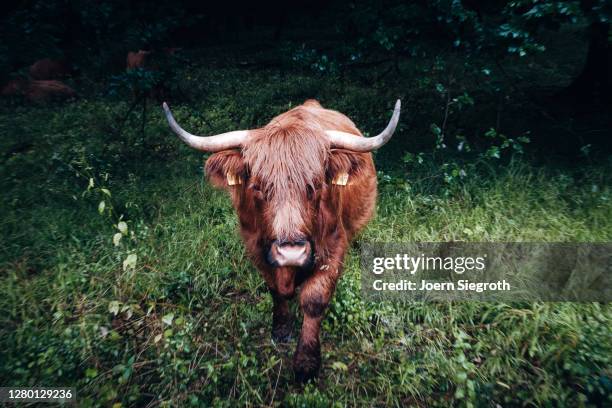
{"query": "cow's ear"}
[(343, 166), (225, 169)]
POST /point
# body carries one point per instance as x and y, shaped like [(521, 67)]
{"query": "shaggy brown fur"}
[(286, 159), (286, 191)]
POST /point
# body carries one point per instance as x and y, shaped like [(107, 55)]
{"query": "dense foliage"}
[(121, 272)]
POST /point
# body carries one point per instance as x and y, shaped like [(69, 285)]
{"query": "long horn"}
[(216, 143), (349, 141)]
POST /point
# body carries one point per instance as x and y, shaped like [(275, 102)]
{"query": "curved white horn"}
[(349, 141), (216, 143)]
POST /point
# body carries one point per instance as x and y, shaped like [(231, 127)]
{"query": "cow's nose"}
[(290, 253)]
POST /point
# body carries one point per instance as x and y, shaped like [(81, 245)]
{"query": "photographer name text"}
[(424, 285), (414, 264)]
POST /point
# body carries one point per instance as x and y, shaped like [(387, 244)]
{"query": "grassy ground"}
[(187, 320)]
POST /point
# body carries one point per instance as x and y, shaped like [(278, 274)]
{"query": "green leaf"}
[(101, 207), (113, 307), (461, 376), (122, 227), (91, 373), (168, 318), (408, 157), (435, 129), (339, 366), (130, 262), (106, 191), (117, 239), (524, 139), (493, 151)]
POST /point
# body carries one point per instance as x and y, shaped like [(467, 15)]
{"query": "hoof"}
[(282, 331), (306, 362), (282, 335), (304, 375)]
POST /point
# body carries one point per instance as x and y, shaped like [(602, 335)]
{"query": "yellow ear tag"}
[(341, 179), (233, 179)]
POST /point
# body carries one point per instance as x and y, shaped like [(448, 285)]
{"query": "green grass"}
[(190, 323)]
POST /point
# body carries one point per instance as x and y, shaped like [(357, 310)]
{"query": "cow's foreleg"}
[(282, 319), (283, 288), (314, 298)]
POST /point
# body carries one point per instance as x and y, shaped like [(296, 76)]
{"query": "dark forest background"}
[(372, 39), (121, 272)]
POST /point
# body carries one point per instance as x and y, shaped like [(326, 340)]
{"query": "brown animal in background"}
[(141, 58), (302, 186), (137, 59), (38, 91), (48, 68), (43, 90)]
